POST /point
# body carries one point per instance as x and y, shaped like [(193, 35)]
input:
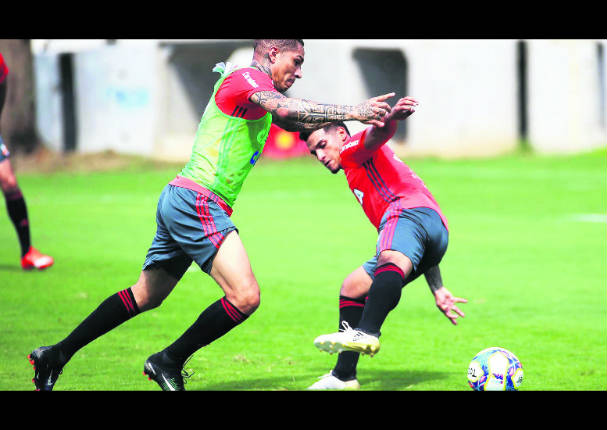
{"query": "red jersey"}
[(232, 98), (378, 178), (3, 69)]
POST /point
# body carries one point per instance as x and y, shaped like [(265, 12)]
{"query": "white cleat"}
[(348, 339), (330, 382)]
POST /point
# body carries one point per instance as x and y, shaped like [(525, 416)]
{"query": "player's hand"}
[(403, 109), (446, 303), (374, 110)]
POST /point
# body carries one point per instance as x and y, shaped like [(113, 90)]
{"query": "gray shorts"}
[(191, 226), (418, 233)]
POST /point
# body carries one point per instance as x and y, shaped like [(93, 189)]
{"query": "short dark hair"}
[(304, 135), (262, 45)]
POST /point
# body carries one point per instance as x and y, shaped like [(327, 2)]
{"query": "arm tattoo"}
[(306, 111), (434, 279), (293, 125)]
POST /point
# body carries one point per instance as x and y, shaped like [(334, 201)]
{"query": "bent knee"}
[(397, 258), (153, 302), (356, 285), (349, 289), (147, 301), (9, 186), (147, 298), (246, 299)]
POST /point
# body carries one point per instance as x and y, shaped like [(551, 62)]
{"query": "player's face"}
[(287, 68), (325, 146)]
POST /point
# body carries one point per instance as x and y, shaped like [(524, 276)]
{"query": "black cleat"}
[(48, 364), (165, 372)]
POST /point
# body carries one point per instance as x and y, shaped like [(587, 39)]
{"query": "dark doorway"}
[(522, 80), (68, 101), (384, 71)]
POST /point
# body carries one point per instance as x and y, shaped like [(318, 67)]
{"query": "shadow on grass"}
[(11, 268), (370, 380)]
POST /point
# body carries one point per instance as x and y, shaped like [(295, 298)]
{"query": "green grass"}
[(534, 275)]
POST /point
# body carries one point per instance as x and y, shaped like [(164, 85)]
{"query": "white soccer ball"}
[(495, 369)]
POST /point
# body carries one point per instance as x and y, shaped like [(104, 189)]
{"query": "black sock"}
[(112, 312), (213, 322), (17, 211), (384, 295), (350, 310)]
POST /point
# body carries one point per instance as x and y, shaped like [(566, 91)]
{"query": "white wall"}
[(564, 96), (117, 99), (467, 95), (466, 90), (48, 100), (130, 100)]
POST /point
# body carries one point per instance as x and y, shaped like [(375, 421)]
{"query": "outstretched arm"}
[(300, 111), (445, 301), (434, 278), (292, 125), (378, 135)]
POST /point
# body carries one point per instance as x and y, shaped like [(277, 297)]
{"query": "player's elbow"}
[(283, 113)]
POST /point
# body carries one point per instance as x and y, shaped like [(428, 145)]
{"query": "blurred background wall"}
[(478, 97), (18, 124)]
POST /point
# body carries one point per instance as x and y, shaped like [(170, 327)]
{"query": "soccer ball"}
[(495, 369)]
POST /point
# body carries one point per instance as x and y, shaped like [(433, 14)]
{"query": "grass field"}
[(527, 249)]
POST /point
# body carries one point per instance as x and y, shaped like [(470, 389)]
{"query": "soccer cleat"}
[(162, 370), (348, 339), (330, 382), (34, 259), (48, 364)]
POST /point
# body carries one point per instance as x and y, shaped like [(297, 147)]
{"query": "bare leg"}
[(15, 204), (150, 290), (232, 271), (152, 287)]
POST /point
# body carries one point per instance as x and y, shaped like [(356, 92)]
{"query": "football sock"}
[(350, 310), (17, 211), (112, 312), (214, 322), (384, 295)]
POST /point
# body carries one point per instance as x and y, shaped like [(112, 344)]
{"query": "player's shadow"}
[(397, 380), (10, 268), (389, 380)]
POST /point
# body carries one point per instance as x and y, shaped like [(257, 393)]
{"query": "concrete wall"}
[(147, 96), (48, 100), (565, 96), (118, 98), (466, 90), (116, 94)]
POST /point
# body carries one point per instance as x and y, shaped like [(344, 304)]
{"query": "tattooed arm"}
[(300, 111), (434, 278), (445, 301), (291, 125)]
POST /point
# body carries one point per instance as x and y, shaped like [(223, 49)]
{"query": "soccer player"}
[(15, 202), (413, 236), (193, 214)]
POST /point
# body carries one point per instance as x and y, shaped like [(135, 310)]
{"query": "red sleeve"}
[(354, 151), (3, 69), (235, 91)]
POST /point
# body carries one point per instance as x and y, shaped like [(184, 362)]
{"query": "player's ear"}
[(273, 54)]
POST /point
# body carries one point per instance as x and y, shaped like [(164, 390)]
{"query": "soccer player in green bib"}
[(193, 214)]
